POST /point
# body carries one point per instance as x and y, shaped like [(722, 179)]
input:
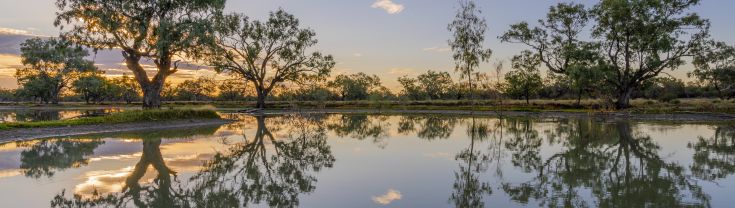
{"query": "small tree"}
[(525, 80), (157, 30), (196, 90), (411, 88), (51, 65), (436, 85), (129, 89), (715, 66), (233, 89), (355, 86), (266, 53), (94, 88), (468, 30)]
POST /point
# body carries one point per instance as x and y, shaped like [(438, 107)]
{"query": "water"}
[(17, 115), (380, 161)]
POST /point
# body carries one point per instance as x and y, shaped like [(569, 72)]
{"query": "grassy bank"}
[(640, 106), (122, 117)]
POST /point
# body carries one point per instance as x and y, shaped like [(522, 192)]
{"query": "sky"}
[(389, 38)]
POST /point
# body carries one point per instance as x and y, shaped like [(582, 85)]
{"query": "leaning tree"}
[(162, 31), (267, 53)]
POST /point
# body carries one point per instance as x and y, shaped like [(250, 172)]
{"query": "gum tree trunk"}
[(623, 100), (262, 94), (151, 87)]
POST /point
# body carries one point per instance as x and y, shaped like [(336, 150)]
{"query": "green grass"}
[(122, 117)]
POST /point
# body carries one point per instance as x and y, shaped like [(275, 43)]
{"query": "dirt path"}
[(36, 133)]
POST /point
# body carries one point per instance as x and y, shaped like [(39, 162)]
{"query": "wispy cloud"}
[(437, 49), (11, 31), (402, 71), (388, 197), (389, 6)]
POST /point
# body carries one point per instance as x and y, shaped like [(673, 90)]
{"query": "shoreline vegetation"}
[(638, 106), (132, 116)]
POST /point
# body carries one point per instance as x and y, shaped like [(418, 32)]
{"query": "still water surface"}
[(20, 115), (380, 161)]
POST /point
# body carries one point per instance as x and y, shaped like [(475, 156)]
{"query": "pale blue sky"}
[(408, 41)]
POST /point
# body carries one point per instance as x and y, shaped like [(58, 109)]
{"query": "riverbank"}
[(639, 106), (690, 117), (116, 118), (47, 132)]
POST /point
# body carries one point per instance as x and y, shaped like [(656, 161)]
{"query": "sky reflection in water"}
[(371, 160)]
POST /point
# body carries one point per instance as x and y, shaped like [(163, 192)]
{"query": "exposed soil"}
[(37, 133)]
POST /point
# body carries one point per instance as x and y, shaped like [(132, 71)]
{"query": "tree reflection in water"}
[(572, 163), (265, 169), (468, 190), (361, 127), (714, 157), (45, 157), (621, 168), (428, 127), (254, 172)]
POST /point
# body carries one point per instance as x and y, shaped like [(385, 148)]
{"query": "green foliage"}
[(158, 30), (632, 41), (199, 89), (122, 117), (50, 65), (8, 95), (266, 53), (468, 35), (525, 80), (128, 89), (95, 88), (355, 86), (715, 66), (233, 89), (430, 85)]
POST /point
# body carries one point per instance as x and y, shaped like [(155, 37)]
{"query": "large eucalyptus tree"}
[(266, 53), (162, 31)]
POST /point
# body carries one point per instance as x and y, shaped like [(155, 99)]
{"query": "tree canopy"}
[(162, 31), (266, 53)]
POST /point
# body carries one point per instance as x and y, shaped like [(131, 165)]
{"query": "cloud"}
[(11, 31), (357, 54), (402, 71), (437, 49), (389, 6), (388, 197)]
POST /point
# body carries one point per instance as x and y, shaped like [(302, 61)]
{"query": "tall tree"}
[(164, 31), (715, 66), (468, 30), (641, 38), (266, 53), (51, 65)]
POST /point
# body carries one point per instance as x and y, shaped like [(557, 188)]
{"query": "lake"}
[(380, 161), (21, 115)]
